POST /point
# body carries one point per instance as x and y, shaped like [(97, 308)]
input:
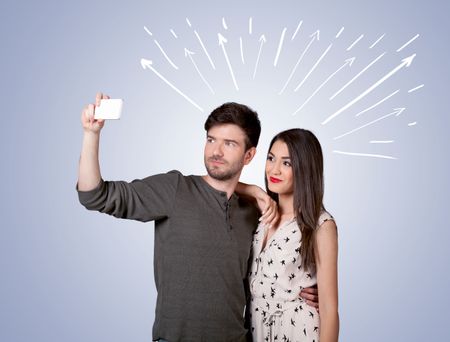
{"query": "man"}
[(203, 230)]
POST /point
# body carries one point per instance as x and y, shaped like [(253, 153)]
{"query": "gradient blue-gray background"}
[(72, 275)]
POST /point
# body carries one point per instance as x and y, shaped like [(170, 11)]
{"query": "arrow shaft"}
[(229, 66), (257, 59), (296, 65), (364, 155), (280, 45), (359, 74), (378, 103), (314, 67), (367, 91), (175, 88), (204, 50), (366, 125), (320, 87), (165, 55), (201, 76)]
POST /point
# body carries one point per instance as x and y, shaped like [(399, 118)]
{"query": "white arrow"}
[(314, 36), (314, 67), (262, 40), (396, 112), (280, 45), (405, 63), (204, 49), (365, 155), (222, 41), (359, 74), (147, 64), (348, 62), (189, 54)]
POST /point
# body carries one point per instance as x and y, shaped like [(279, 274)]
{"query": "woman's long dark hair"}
[(307, 165)]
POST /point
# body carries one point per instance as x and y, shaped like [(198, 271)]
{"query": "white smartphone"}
[(109, 109)]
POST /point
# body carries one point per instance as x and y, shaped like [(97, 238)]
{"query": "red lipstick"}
[(274, 180)]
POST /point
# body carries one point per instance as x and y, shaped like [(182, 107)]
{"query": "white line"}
[(348, 62), (250, 25), (262, 40), (188, 22), (224, 24), (296, 30), (381, 141), (371, 46), (190, 53), (414, 89), (359, 74), (412, 123), (364, 155), (378, 103), (405, 63), (147, 64), (242, 50), (314, 36), (165, 55), (204, 49), (222, 41), (146, 29), (396, 112), (354, 43), (339, 33), (314, 67), (280, 45), (409, 42), (174, 34)]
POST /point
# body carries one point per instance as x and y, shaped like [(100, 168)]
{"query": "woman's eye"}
[(286, 163), (269, 158)]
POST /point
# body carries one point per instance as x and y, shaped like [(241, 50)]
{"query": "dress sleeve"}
[(146, 199), (324, 216)]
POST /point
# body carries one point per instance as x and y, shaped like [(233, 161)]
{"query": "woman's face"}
[(279, 172)]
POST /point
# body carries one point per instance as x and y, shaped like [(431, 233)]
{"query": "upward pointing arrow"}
[(189, 54), (262, 40), (315, 36), (147, 64), (222, 41), (348, 62), (405, 63)]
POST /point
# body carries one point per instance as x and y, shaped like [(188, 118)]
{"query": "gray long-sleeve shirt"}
[(202, 246)]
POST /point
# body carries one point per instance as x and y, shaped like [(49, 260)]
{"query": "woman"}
[(299, 252)]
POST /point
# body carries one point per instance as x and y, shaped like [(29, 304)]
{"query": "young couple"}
[(210, 262)]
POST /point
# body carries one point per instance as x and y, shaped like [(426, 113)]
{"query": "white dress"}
[(276, 278)]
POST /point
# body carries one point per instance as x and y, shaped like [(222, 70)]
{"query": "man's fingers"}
[(311, 290), (98, 97), (313, 304)]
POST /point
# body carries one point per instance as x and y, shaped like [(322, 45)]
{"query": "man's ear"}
[(249, 154)]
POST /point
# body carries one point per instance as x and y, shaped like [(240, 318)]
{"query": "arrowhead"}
[(398, 111), (316, 35), (222, 39), (408, 60), (146, 63), (188, 52), (350, 61), (262, 38)]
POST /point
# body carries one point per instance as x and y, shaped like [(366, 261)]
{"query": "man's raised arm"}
[(89, 167)]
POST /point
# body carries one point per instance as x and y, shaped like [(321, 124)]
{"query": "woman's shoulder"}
[(324, 217)]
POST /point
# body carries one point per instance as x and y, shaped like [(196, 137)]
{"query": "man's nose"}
[(218, 150)]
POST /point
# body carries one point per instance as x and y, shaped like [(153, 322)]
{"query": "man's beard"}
[(224, 174)]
